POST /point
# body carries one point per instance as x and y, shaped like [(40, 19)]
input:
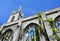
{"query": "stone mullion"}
[(34, 34), (24, 37), (28, 33), (39, 32)]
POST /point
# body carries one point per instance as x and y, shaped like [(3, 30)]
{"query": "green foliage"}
[(40, 22), (40, 27), (50, 20), (39, 18), (37, 34), (32, 39), (55, 30)]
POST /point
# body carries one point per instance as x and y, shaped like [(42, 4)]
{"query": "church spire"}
[(16, 15), (20, 8), (15, 12)]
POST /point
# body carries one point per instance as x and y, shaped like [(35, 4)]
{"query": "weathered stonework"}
[(17, 29)]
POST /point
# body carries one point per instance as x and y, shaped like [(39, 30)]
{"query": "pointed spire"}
[(20, 8)]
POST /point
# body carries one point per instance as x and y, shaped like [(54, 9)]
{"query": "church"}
[(19, 28)]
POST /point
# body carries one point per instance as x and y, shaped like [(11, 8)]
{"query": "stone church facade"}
[(18, 28)]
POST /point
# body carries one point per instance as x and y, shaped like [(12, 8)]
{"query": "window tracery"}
[(7, 36)]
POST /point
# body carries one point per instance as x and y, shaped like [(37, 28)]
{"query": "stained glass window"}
[(30, 32)]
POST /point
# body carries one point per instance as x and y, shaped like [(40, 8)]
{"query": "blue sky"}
[(29, 7)]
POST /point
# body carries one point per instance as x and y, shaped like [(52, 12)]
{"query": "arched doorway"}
[(7, 35)]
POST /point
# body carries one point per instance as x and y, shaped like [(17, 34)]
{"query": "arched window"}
[(30, 34), (57, 21), (7, 36)]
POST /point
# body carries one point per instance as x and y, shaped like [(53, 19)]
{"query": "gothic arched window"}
[(7, 36), (30, 33), (57, 21)]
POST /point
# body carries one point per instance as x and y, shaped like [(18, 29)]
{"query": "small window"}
[(12, 18)]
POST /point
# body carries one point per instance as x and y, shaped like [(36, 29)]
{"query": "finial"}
[(20, 8)]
